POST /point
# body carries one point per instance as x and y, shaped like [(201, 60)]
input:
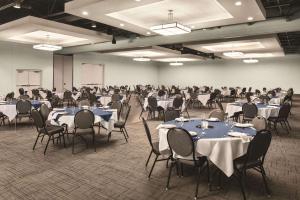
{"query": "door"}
[(62, 72)]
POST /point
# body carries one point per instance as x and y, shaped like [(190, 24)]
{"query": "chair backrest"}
[(171, 115), (217, 114), (258, 146), (44, 110), (38, 119), (84, 119), (284, 111), (116, 105), (115, 97), (259, 123), (177, 102), (152, 102), (181, 142), (93, 99), (84, 102), (23, 106), (24, 97), (67, 94), (124, 113), (147, 130), (249, 110)]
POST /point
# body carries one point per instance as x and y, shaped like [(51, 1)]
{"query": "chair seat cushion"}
[(84, 131), (119, 124), (51, 130), (240, 162), (24, 115), (189, 160)]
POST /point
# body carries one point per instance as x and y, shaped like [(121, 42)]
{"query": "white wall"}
[(118, 70), (17, 56), (272, 72)]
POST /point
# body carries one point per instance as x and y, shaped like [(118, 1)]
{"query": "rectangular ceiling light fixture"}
[(170, 29)]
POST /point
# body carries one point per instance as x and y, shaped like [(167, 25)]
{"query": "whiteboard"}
[(92, 74)]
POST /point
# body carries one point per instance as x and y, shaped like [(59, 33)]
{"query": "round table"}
[(66, 116), (265, 111), (216, 144)]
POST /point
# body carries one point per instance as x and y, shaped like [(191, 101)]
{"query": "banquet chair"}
[(170, 115), (154, 148), (67, 98), (177, 103), (212, 100), (217, 114), (121, 123), (84, 125), (181, 144), (23, 108), (53, 132), (152, 104), (141, 103), (254, 159), (282, 118), (249, 112), (45, 111), (259, 123), (194, 99)]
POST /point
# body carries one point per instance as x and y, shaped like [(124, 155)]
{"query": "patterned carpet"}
[(117, 170)]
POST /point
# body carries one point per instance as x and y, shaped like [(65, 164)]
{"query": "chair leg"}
[(42, 139), (73, 140), (126, 132), (152, 166), (148, 158), (94, 145), (208, 175), (49, 138), (288, 124), (122, 131), (198, 181), (63, 136), (169, 176), (240, 180), (263, 173), (37, 138)]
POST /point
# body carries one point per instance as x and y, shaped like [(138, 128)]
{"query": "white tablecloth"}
[(203, 98), (104, 100), (220, 151), (10, 109), (164, 104), (69, 120), (269, 111)]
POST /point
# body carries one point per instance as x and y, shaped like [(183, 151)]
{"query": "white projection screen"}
[(92, 75)]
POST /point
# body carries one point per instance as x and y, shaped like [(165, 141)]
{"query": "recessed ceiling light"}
[(238, 3), (47, 47), (94, 26), (250, 18), (85, 13), (192, 26), (138, 0), (176, 64), (122, 24), (250, 61), (142, 59), (148, 33)]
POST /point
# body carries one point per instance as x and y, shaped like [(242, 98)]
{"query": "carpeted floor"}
[(117, 170)]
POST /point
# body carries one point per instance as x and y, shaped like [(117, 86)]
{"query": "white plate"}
[(243, 125), (167, 126), (213, 119), (237, 134), (182, 120)]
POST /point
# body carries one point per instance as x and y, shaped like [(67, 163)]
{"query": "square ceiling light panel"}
[(33, 30), (267, 46), (140, 16)]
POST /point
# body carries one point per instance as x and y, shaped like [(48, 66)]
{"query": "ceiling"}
[(136, 18)]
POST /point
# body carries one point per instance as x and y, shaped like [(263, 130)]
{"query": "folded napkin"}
[(243, 136), (243, 125), (273, 106), (58, 109), (213, 119), (167, 126), (181, 119), (56, 115), (193, 133)]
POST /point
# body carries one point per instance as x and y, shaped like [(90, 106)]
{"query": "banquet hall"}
[(150, 99)]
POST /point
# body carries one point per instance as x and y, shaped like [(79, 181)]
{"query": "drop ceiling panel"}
[(33, 30), (267, 46), (140, 16)]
